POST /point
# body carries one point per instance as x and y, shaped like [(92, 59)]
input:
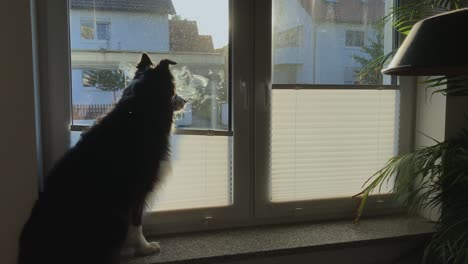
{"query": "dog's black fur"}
[(99, 186)]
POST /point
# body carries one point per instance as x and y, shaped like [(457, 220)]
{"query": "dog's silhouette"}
[(97, 190)]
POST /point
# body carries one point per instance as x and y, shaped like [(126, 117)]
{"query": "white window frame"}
[(55, 54), (250, 76)]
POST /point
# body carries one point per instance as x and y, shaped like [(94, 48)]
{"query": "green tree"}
[(106, 80), (370, 72), (178, 18)]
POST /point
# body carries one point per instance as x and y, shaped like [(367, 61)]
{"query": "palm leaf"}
[(447, 85), (374, 65)]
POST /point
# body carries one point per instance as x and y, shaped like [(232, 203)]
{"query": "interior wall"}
[(18, 164), (430, 115), (430, 123)]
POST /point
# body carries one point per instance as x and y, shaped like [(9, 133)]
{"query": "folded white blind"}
[(326, 143), (200, 176)]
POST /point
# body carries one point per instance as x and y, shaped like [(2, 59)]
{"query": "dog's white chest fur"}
[(136, 243)]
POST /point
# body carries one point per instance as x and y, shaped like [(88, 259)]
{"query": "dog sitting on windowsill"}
[(93, 200)]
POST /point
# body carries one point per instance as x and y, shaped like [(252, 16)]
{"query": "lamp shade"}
[(437, 45)]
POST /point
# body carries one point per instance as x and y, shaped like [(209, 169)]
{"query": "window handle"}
[(243, 89), (207, 219), (298, 211)]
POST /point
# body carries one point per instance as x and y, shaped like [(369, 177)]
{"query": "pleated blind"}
[(326, 143), (200, 176)]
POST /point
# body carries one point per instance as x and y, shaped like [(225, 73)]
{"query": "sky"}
[(212, 17)]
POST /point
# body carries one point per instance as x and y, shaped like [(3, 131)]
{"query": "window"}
[(103, 30), (201, 175), (321, 137), (88, 32), (278, 125), (354, 38)]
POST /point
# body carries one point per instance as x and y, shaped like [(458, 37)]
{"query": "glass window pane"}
[(184, 31), (107, 39), (329, 42), (326, 143)]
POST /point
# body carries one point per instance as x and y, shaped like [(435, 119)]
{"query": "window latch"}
[(298, 211), (207, 220)]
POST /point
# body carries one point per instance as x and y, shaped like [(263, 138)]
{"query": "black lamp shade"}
[(437, 45)]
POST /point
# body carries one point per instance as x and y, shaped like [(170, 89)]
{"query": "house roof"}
[(184, 37), (345, 11), (153, 6)]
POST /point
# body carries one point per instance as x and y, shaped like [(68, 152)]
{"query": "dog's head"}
[(160, 77)]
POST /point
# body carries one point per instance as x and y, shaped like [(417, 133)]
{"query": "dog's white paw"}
[(136, 244), (145, 249)]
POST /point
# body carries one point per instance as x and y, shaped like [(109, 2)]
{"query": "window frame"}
[(250, 78), (108, 29), (56, 112)]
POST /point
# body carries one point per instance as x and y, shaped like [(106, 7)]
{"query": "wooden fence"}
[(90, 111)]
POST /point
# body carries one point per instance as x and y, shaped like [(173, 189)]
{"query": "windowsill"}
[(236, 244)]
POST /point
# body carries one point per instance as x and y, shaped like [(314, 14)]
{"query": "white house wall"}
[(129, 31), (293, 16), (333, 57), (330, 59)]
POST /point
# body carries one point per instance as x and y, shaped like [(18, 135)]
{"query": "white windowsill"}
[(280, 240)]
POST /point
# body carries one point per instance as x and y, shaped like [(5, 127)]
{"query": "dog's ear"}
[(145, 62), (165, 63)]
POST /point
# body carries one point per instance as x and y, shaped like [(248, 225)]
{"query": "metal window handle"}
[(207, 219), (298, 211)]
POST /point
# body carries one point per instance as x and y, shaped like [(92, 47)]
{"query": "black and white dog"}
[(94, 196)]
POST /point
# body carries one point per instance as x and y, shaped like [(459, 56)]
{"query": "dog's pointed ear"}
[(165, 63), (145, 62)]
